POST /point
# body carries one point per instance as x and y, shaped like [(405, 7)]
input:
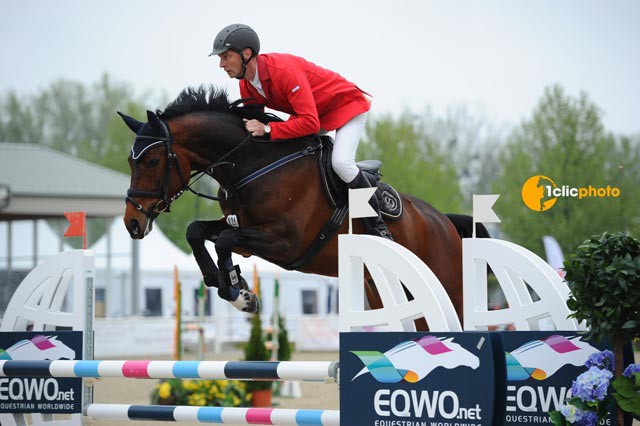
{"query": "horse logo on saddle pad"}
[(411, 361)]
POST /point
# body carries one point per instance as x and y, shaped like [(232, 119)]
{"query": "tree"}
[(566, 141), (412, 162), (470, 143), (77, 119), (81, 120)]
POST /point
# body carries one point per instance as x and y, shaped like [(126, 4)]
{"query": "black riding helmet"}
[(237, 37)]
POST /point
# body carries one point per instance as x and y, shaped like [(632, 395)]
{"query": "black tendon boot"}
[(375, 225)]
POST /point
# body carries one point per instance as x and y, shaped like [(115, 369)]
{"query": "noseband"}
[(164, 202)]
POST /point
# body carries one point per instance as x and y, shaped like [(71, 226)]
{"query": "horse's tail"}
[(464, 226)]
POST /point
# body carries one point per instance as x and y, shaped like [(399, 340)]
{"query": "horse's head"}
[(160, 170), (458, 356)]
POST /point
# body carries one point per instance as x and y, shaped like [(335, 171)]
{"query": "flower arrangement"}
[(604, 278), (593, 390), (216, 393)]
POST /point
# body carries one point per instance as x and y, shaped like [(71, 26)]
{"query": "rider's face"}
[(231, 62)]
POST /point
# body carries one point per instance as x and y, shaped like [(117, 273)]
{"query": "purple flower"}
[(588, 419), (570, 412), (592, 385), (575, 415), (603, 360), (631, 370)]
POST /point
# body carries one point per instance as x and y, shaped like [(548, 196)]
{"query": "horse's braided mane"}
[(210, 98)]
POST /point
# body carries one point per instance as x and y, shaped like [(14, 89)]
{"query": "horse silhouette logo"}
[(540, 359), (535, 195), (413, 360), (38, 347)]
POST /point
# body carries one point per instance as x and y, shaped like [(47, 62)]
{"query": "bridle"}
[(164, 202)]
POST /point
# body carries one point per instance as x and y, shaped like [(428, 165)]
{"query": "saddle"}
[(336, 190)]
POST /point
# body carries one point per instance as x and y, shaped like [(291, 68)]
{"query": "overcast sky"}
[(494, 56)]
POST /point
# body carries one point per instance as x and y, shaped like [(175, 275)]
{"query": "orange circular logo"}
[(535, 193)]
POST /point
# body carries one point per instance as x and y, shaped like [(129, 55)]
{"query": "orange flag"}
[(77, 226)]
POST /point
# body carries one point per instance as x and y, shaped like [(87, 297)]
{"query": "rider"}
[(317, 99)]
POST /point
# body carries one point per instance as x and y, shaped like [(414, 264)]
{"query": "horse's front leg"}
[(197, 233), (232, 286)]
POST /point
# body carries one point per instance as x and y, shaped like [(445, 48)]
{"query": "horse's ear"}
[(154, 121), (131, 122)]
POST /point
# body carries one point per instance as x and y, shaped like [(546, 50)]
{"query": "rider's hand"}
[(254, 127)]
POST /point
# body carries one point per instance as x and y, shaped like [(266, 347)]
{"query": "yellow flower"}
[(190, 385), (197, 399), (165, 390)]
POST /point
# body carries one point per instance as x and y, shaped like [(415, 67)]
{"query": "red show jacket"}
[(313, 96)]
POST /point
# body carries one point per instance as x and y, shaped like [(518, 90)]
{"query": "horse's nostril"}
[(134, 228)]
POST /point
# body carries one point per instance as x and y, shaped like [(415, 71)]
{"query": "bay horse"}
[(271, 194)]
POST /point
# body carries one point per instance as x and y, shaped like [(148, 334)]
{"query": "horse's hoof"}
[(247, 302), (254, 305)]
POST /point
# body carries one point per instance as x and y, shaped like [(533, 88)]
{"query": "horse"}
[(271, 194)]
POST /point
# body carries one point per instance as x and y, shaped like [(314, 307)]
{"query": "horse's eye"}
[(153, 162)]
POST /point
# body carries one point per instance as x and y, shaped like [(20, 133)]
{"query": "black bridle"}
[(164, 202)]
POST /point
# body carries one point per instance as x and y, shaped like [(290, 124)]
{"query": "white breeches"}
[(346, 143)]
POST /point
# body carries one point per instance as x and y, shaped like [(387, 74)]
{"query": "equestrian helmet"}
[(236, 37)]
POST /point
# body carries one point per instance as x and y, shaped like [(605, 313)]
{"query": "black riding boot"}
[(375, 225)]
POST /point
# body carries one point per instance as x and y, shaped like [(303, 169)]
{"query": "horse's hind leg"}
[(197, 233)]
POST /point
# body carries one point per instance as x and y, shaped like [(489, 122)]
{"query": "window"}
[(153, 302), (100, 303), (309, 302)]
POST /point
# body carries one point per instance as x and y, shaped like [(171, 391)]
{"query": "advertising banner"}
[(417, 379), (42, 395), (540, 369)]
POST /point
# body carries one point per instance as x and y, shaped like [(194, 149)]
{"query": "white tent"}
[(157, 252)]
